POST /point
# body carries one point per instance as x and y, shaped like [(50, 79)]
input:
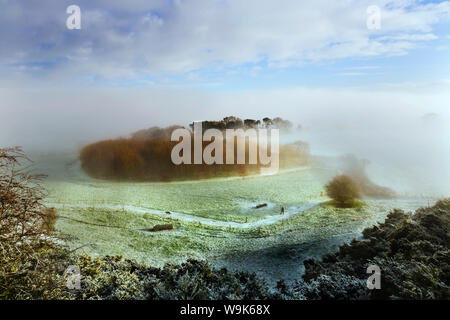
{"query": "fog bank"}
[(403, 129)]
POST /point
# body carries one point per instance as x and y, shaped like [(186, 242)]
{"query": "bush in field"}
[(343, 189)]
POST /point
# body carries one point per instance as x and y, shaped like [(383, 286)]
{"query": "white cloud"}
[(141, 38)]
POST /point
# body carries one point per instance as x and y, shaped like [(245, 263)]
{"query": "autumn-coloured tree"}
[(146, 155)]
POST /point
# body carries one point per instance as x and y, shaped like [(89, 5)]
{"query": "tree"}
[(343, 189), (282, 124), (31, 264), (267, 122), (21, 210)]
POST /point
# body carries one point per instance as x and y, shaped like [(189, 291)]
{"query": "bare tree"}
[(31, 263), (22, 213)]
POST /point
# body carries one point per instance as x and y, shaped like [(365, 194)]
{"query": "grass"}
[(356, 203), (107, 232), (97, 231), (228, 200)]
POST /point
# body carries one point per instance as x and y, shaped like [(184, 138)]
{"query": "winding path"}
[(195, 219)]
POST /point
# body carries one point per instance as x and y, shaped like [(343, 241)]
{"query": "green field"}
[(213, 219)]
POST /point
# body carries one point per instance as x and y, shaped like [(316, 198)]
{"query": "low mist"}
[(402, 132)]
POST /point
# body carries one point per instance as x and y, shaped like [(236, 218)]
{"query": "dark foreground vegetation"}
[(412, 251)]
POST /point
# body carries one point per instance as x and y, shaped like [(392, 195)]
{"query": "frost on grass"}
[(412, 250)]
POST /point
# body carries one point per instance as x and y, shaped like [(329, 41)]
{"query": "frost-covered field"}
[(213, 219), (220, 199)]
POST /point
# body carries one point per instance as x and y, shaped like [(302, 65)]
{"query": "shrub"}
[(412, 251), (31, 265), (49, 217), (343, 189), (21, 208)]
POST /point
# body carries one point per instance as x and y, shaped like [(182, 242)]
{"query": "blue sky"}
[(224, 45)]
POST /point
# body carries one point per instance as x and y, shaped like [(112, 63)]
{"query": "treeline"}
[(148, 160), (233, 122), (146, 156)]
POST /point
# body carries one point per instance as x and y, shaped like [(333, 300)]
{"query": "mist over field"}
[(404, 133)]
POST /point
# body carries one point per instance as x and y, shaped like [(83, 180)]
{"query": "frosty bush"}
[(343, 189)]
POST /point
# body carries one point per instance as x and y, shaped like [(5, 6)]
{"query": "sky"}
[(139, 63), (223, 45)]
